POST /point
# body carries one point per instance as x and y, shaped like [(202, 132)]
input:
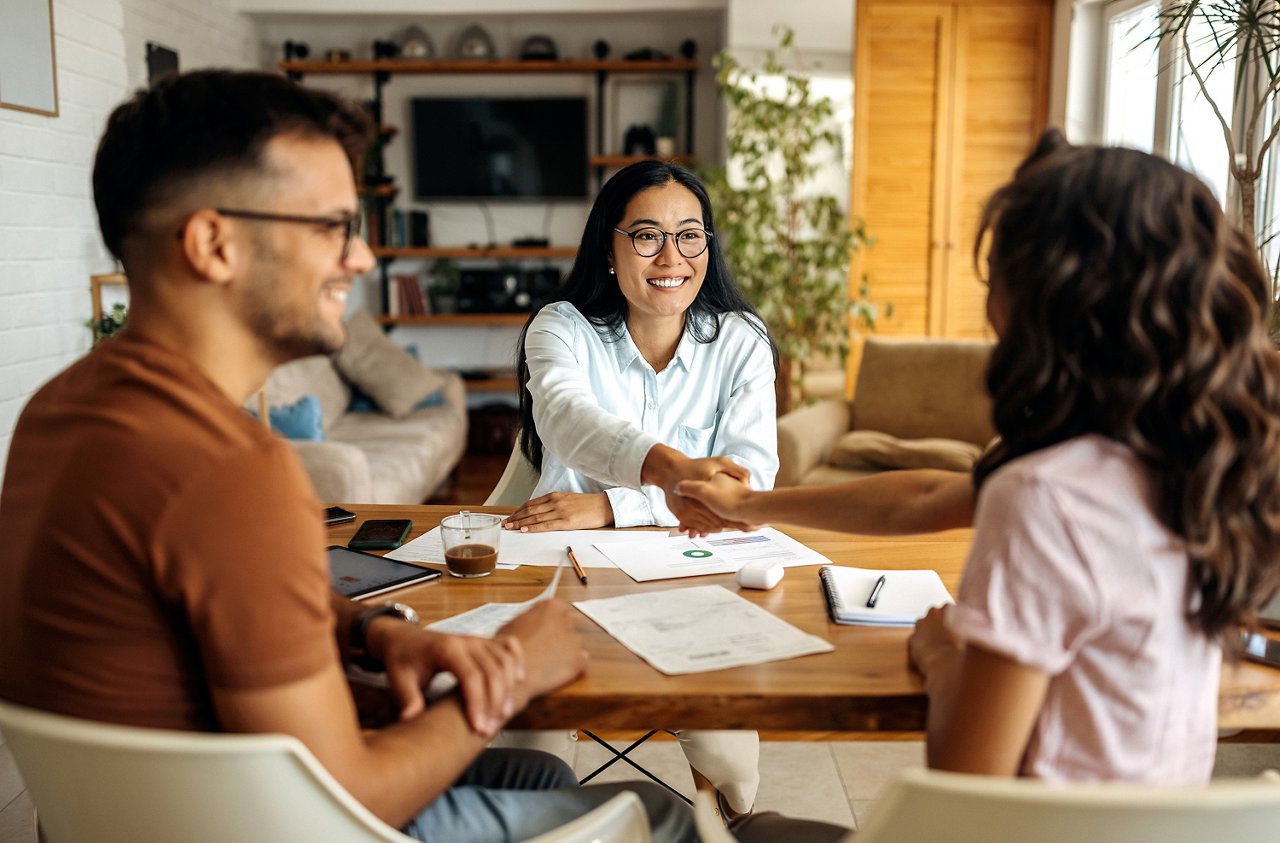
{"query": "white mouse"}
[(762, 573)]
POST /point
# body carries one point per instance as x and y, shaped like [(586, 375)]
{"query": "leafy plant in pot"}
[(1240, 37), (788, 244)]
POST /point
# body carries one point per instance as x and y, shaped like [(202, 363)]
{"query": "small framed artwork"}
[(28, 69), (161, 62)]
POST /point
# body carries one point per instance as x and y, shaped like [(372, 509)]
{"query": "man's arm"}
[(397, 771), (889, 503)]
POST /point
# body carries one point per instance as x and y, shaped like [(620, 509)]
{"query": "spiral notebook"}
[(904, 598)]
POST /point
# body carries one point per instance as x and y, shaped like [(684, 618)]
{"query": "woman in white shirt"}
[(650, 368)]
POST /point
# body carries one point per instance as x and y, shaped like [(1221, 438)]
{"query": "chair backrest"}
[(918, 389), (517, 482), (620, 820), (103, 782), (925, 806)]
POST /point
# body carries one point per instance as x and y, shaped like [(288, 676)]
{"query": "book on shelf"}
[(900, 600), (406, 293)]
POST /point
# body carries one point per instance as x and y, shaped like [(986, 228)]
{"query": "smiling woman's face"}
[(661, 287)]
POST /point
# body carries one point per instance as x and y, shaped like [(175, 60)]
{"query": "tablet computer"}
[(357, 575)]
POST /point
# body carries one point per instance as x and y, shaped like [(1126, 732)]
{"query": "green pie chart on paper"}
[(697, 554)]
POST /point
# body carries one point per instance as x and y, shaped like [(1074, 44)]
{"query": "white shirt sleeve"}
[(566, 413), (748, 429)]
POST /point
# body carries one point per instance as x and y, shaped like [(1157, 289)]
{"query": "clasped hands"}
[(664, 467), (532, 655)]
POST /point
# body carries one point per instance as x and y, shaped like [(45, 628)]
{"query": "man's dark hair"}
[(206, 123)]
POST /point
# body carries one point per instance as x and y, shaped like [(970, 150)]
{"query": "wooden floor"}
[(472, 481)]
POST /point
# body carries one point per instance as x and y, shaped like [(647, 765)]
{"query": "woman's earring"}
[(611, 270)]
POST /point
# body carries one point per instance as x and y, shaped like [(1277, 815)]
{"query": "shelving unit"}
[(381, 72)]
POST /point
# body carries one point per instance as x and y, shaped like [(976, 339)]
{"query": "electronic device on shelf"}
[(505, 290), (484, 147)]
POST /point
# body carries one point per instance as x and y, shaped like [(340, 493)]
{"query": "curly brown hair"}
[(1137, 312)]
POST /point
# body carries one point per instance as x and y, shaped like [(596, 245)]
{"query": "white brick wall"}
[(49, 243)]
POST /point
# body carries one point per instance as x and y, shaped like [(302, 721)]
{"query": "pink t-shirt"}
[(1072, 573)]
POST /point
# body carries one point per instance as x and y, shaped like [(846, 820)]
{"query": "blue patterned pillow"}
[(299, 420)]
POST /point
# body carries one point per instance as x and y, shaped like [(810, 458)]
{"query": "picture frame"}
[(28, 63)]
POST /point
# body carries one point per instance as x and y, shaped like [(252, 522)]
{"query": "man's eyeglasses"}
[(647, 242), (349, 223)]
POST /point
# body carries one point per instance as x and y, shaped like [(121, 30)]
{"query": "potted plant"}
[(112, 320), (788, 245), (1214, 36)]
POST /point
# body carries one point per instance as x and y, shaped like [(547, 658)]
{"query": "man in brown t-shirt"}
[(163, 556)]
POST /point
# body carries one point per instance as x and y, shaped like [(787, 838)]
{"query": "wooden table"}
[(865, 685)]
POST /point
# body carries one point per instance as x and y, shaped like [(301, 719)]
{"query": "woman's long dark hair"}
[(1138, 312), (595, 293)]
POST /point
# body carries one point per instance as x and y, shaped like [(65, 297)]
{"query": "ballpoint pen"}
[(576, 566), (871, 601)]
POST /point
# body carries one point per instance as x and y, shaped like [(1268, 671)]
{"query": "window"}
[(1152, 102)]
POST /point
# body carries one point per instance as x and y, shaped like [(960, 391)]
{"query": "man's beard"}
[(286, 335)]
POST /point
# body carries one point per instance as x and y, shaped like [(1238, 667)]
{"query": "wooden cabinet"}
[(949, 97)]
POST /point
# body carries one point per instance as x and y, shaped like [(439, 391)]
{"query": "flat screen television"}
[(484, 148)]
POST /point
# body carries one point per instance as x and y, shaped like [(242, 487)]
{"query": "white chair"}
[(108, 783), (517, 482), (926, 806)]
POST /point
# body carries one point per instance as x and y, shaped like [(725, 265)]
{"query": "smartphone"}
[(337, 515), (380, 534), (1260, 648)]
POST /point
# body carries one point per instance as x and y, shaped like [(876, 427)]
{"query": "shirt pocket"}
[(694, 441)]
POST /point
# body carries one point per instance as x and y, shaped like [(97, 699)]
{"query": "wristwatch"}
[(360, 655)]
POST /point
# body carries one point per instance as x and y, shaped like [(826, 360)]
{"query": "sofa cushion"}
[(382, 369), (921, 388), (873, 449), (313, 375), (299, 420)]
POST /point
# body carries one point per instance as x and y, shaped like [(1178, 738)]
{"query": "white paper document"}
[(546, 549), (485, 621), (699, 629), (719, 553)]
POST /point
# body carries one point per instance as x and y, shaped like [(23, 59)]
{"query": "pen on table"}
[(576, 566), (871, 601)]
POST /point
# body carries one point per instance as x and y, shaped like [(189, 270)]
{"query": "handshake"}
[(702, 492)]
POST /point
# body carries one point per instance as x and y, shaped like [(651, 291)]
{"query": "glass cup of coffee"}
[(471, 543)]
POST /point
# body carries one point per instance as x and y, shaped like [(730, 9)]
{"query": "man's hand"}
[(722, 495), (552, 648), (489, 672), (562, 511)]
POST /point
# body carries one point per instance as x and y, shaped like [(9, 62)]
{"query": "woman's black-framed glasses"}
[(349, 223), (648, 242)]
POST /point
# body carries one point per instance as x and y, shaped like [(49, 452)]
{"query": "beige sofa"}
[(917, 404), (397, 450)]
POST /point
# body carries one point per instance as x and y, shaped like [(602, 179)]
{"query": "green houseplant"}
[(112, 320), (788, 245), (1213, 37)]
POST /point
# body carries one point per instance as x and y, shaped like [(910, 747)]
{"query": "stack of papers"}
[(905, 597)]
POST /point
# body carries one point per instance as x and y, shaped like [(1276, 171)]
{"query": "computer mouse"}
[(762, 573)]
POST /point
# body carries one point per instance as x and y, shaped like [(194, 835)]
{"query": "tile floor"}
[(836, 781)]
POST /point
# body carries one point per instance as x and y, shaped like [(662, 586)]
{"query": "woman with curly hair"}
[(1127, 521)]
